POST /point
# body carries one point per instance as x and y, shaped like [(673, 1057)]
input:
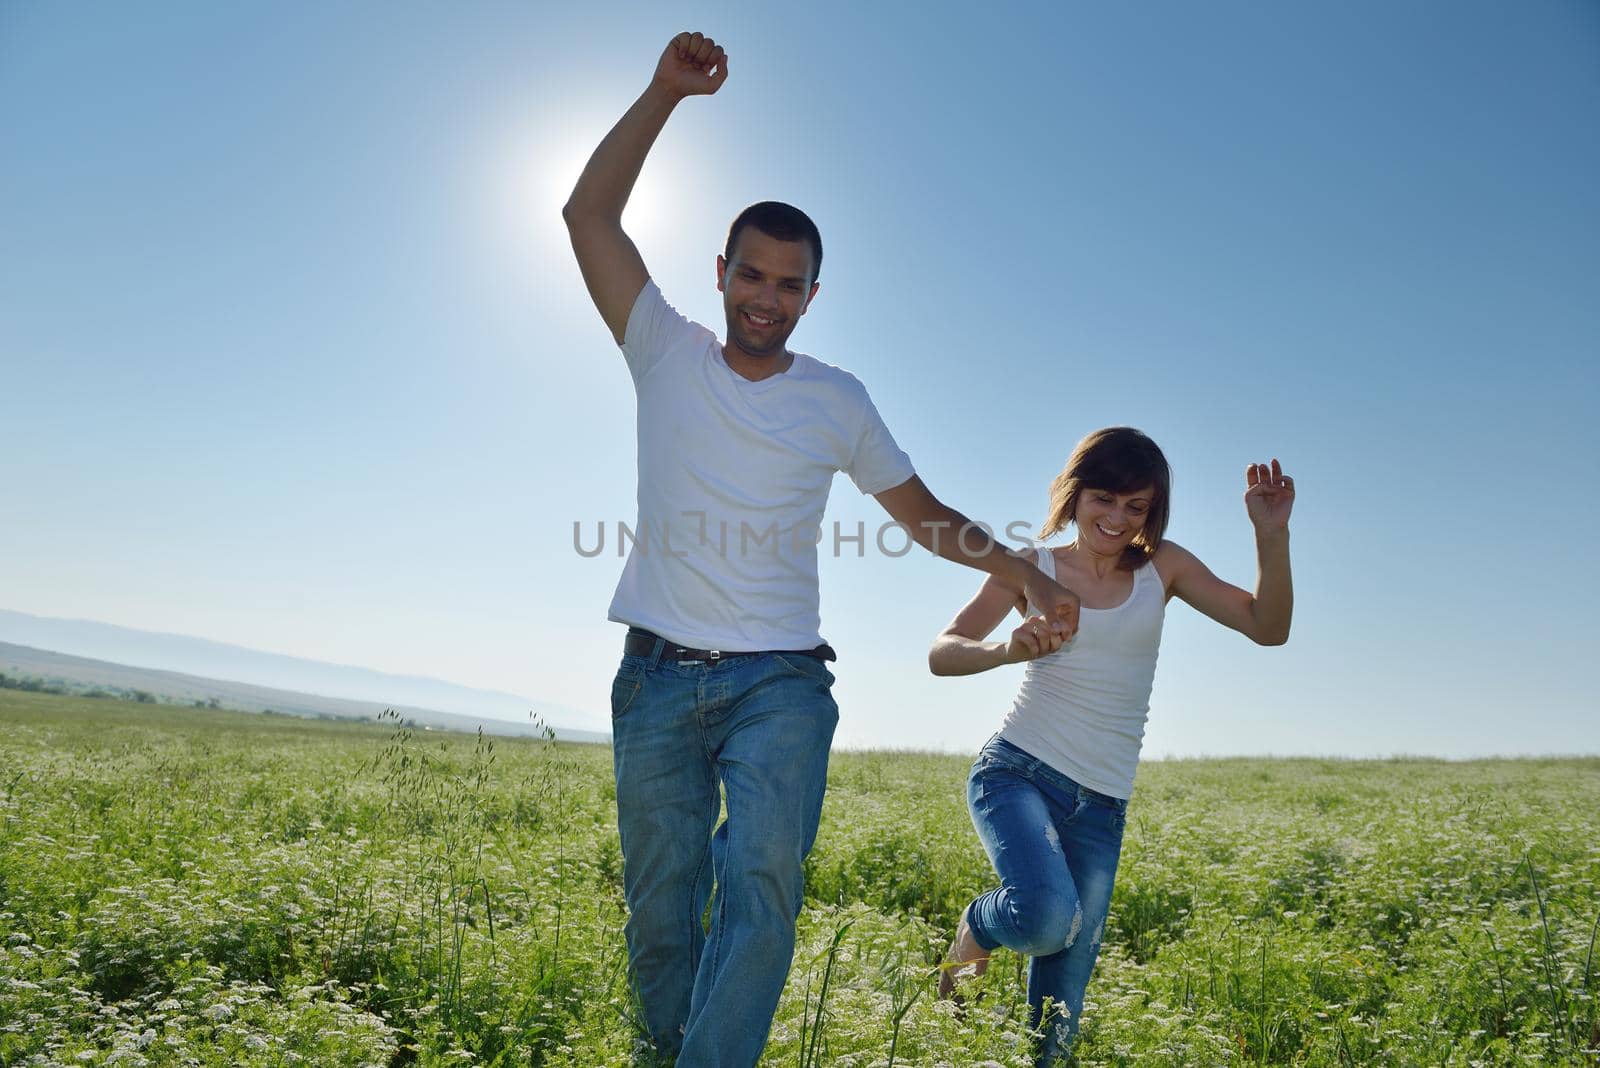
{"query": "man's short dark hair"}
[(782, 221)]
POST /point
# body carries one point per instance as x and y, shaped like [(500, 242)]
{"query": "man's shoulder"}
[(661, 326), (829, 375)]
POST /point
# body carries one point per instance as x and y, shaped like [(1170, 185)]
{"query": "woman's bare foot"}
[(965, 960)]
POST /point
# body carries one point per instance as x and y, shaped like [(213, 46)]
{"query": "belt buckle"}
[(713, 654)]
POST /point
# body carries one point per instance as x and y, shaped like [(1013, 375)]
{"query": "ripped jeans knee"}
[(1042, 921)]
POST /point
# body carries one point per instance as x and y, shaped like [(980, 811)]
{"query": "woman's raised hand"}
[(1033, 639), (1268, 496)]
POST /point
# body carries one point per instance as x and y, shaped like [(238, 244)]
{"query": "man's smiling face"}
[(765, 287)]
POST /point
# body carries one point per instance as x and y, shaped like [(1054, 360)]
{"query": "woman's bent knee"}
[(1046, 922)]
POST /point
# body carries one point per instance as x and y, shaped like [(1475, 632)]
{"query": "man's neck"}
[(755, 368)]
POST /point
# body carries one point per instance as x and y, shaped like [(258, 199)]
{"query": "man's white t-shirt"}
[(733, 479)]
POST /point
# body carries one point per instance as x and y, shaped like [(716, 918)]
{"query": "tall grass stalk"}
[(808, 1051), (1345, 1055), (906, 984), (1500, 974), (1261, 1009), (1557, 1001), (1593, 1038)]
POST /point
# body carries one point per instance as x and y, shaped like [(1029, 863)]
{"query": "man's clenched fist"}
[(693, 64)]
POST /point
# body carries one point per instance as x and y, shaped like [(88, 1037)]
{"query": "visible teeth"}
[(1108, 533)]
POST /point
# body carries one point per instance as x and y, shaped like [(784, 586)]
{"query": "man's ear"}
[(722, 274), (811, 296)]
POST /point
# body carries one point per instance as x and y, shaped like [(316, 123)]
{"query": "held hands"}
[(1268, 497), (1059, 606), (686, 67), (1033, 639)]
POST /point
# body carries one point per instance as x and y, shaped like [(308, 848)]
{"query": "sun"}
[(559, 158)]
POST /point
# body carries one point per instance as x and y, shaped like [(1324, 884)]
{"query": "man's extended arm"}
[(946, 532), (612, 267)]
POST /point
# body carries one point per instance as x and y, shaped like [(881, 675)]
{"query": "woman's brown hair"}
[(1118, 459)]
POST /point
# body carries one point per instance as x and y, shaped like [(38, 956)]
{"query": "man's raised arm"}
[(612, 267)]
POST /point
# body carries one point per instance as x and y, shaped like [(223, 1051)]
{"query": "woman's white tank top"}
[(1082, 708)]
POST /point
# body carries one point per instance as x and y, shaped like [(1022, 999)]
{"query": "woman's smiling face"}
[(1108, 522)]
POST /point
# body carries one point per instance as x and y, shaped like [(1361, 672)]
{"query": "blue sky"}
[(295, 355)]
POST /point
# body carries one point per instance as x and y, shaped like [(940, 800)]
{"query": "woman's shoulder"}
[(1171, 560), (1170, 551)]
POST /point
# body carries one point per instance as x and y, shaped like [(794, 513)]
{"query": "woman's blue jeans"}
[(755, 729), (1055, 846)]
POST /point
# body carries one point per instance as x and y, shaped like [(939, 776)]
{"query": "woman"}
[(1049, 792)]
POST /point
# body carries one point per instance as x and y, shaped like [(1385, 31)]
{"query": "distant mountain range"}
[(185, 669)]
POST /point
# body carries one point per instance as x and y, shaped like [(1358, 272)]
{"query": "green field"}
[(190, 887)]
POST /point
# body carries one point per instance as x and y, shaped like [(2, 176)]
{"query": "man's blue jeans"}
[(1055, 846), (758, 727)]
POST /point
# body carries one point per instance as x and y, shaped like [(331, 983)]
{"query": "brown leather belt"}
[(641, 642)]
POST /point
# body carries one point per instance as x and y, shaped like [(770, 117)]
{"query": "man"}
[(724, 684)]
